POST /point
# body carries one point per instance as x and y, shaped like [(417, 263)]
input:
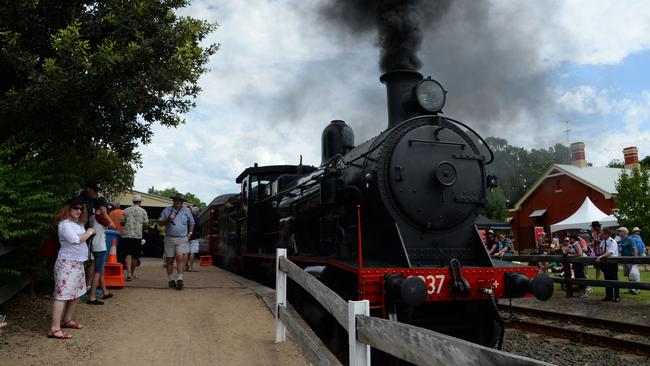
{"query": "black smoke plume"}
[(399, 25)]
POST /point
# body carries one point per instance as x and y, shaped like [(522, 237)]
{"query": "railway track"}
[(598, 332)]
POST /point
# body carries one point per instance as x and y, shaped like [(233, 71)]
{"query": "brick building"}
[(561, 190)]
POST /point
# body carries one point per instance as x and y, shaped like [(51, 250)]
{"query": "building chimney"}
[(631, 155), (578, 154)]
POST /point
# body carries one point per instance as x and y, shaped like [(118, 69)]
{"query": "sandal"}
[(58, 334), (71, 324), (128, 279)]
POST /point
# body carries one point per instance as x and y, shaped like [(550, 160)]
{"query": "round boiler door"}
[(446, 173), (431, 184)]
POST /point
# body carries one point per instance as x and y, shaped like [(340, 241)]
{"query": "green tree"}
[(633, 199), (517, 168), (170, 192), (615, 163), (82, 84), (496, 207)]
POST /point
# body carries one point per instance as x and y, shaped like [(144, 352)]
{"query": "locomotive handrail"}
[(477, 135), (408, 342)]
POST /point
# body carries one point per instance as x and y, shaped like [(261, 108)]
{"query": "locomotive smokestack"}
[(399, 93)]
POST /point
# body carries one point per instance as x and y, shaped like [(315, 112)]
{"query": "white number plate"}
[(433, 283)]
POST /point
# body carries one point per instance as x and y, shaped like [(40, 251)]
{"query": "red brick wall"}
[(559, 204)]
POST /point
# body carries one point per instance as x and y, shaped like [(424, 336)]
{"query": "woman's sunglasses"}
[(76, 208)]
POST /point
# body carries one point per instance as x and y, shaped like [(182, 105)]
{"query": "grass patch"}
[(599, 292)]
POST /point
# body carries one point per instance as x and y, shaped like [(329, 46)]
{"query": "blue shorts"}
[(100, 260)]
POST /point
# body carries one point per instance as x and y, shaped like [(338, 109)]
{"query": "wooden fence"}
[(407, 342), (566, 260), (11, 288)]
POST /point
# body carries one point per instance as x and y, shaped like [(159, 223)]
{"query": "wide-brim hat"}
[(636, 228), (595, 223), (623, 229), (137, 198), (179, 196)]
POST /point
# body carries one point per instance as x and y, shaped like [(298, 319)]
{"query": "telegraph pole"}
[(568, 143)]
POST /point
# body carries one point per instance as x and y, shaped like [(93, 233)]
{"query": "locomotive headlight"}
[(430, 95)]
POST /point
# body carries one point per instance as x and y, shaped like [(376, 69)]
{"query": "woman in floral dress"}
[(69, 278)]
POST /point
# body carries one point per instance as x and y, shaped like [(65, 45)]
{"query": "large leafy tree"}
[(82, 84), (496, 207), (170, 192), (633, 198), (518, 168)]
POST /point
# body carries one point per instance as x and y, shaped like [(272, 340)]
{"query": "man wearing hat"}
[(179, 225), (609, 248), (628, 249), (135, 220), (88, 195), (640, 245)]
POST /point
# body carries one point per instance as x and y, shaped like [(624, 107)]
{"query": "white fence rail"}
[(410, 343)]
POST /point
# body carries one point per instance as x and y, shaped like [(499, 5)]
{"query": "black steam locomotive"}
[(390, 220)]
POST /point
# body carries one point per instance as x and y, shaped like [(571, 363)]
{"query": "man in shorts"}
[(135, 220), (179, 225)]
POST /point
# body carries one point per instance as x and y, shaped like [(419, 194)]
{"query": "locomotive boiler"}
[(390, 220)]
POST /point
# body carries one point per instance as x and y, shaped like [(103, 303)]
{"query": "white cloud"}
[(585, 99), (281, 75), (598, 32)]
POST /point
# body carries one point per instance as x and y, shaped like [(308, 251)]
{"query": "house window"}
[(558, 186)]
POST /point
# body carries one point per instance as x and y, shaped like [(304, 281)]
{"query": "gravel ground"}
[(564, 352), (213, 321)]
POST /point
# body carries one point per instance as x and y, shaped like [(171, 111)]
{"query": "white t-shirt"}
[(99, 240), (610, 246), (71, 247)]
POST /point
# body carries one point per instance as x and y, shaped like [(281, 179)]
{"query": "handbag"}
[(634, 275), (50, 248)]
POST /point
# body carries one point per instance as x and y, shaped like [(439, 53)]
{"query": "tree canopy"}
[(517, 168), (633, 199), (82, 84), (170, 192)]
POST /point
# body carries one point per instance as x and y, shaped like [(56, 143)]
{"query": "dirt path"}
[(213, 321)]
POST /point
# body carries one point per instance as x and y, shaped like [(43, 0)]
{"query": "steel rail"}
[(621, 327), (638, 348), (606, 341)]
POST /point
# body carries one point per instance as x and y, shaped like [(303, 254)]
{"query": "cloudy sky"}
[(513, 69)]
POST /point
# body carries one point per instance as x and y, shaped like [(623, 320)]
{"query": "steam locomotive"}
[(390, 220)]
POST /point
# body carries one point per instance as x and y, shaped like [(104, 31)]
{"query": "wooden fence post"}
[(359, 352), (280, 296), (567, 275)]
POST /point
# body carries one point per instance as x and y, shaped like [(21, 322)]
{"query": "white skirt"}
[(69, 279)]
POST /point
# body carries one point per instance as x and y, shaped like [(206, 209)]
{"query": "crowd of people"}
[(79, 268), (600, 243)]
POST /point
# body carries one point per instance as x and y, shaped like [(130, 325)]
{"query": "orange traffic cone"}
[(113, 271), (112, 255)]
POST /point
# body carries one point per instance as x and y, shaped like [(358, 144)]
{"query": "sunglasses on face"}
[(77, 208)]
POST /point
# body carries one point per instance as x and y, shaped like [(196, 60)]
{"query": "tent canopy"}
[(583, 217), (483, 222)]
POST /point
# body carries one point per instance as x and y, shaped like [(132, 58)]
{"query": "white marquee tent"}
[(583, 217)]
